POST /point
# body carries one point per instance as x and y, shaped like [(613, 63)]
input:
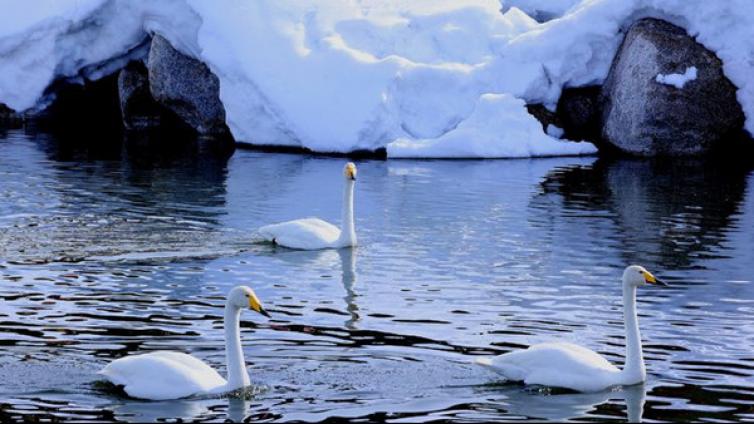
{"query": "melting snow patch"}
[(554, 131), (677, 80)]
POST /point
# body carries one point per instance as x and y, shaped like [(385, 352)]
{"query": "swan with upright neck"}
[(163, 375), (314, 233), (574, 367)]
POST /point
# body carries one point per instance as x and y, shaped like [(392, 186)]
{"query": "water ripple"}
[(102, 257)]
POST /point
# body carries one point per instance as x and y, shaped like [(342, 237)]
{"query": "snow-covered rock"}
[(645, 117), (343, 75), (185, 86)]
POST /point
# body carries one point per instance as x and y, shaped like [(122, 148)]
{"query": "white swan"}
[(314, 233), (575, 367), (172, 375)]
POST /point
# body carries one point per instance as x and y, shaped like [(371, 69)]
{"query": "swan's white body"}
[(165, 375), (314, 233), (557, 365), (305, 234), (575, 367)]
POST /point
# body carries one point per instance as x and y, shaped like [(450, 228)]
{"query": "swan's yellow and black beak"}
[(256, 305), (650, 279), (351, 171)]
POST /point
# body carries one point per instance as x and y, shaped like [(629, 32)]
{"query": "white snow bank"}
[(340, 75), (677, 80), (499, 127)]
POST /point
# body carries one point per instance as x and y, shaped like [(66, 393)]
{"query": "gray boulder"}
[(187, 87), (138, 110), (641, 116)]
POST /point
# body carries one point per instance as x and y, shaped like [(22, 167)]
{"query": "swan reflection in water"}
[(327, 260), (348, 269), (183, 409), (563, 407)]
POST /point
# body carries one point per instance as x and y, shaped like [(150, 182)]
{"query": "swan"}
[(574, 367), (166, 375), (314, 233)]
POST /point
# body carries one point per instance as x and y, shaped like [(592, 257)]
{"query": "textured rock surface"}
[(138, 110), (643, 117), (187, 87), (579, 112)]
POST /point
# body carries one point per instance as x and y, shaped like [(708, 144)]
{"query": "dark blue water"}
[(108, 251)]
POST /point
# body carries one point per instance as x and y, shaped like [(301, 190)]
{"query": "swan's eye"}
[(246, 294)]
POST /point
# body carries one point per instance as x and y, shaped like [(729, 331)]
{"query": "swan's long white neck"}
[(633, 371), (347, 226), (237, 375)]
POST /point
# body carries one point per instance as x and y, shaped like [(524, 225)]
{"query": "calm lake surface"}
[(106, 252)]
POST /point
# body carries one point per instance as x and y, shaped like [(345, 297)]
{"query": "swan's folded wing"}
[(162, 375), (306, 233), (556, 365)]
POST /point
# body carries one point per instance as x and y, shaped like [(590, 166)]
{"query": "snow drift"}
[(424, 78), (496, 128)]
